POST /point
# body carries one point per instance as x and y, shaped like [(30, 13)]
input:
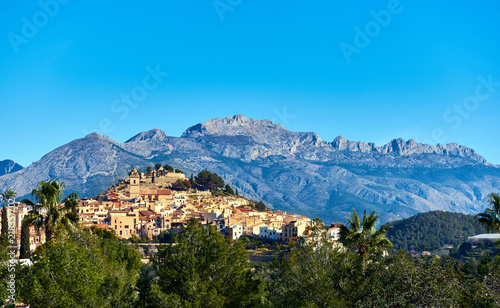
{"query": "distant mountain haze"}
[(292, 171), (9, 166)]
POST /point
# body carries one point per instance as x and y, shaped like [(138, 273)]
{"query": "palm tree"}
[(47, 213), (490, 218), (362, 236), (9, 194)]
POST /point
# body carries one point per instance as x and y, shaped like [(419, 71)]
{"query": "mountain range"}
[(292, 171)]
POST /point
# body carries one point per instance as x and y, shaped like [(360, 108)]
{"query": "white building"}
[(334, 231), (179, 200), (269, 232), (481, 238), (235, 231)]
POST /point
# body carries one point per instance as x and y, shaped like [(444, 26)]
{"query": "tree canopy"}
[(182, 184), (208, 180), (4, 198), (433, 229), (362, 236), (203, 269), (46, 212), (81, 270), (168, 168)]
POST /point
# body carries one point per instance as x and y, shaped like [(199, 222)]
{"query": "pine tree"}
[(5, 197), (204, 269), (5, 223), (24, 250), (229, 190)]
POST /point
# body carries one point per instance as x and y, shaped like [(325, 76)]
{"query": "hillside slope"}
[(433, 229)]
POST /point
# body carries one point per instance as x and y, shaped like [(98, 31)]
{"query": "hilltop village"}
[(149, 203)]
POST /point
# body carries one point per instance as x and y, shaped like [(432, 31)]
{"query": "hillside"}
[(436, 228), (292, 171)]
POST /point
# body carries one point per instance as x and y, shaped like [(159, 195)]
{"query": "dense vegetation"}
[(81, 269), (425, 231), (204, 269), (471, 254), (199, 267)]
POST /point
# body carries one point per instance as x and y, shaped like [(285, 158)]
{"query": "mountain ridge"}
[(292, 171)]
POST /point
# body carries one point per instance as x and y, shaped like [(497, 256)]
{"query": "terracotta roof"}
[(336, 225)]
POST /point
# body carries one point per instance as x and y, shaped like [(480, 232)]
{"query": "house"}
[(123, 222), (334, 231), (293, 230), (235, 231), (269, 232)]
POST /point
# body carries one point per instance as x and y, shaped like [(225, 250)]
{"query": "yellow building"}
[(123, 222), (134, 183), (292, 231)]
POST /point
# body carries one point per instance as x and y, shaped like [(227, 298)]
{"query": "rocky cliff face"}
[(400, 147), (293, 171)]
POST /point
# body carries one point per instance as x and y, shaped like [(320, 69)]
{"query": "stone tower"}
[(134, 183)]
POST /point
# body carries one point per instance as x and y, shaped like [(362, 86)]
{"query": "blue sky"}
[(368, 71)]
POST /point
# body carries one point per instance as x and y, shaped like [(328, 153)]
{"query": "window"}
[(120, 232), (126, 226)]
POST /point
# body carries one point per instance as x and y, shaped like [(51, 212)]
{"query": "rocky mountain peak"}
[(401, 147), (397, 146), (233, 126), (339, 143), (94, 135), (9, 166), (153, 134), (239, 118)]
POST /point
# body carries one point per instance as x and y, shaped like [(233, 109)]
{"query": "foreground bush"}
[(81, 270)]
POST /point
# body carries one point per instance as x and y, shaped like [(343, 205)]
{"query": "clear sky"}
[(370, 71)]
